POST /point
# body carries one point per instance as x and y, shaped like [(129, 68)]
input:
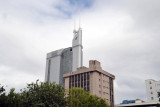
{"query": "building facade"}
[(58, 63), (152, 88), (65, 60), (93, 79)]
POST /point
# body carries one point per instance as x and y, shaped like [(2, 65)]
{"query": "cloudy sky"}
[(123, 35)]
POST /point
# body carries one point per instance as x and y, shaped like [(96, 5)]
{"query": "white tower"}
[(77, 49)]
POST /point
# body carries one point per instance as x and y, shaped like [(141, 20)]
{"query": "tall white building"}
[(77, 49), (65, 60), (152, 88)]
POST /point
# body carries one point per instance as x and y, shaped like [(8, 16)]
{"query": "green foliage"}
[(78, 97), (43, 94), (3, 98), (35, 95), (1, 89)]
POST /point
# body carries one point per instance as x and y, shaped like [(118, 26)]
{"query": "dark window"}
[(84, 76), (75, 78), (151, 98), (81, 84), (85, 84), (71, 49), (78, 84), (78, 77), (87, 75), (72, 80), (69, 82), (81, 80), (81, 77)]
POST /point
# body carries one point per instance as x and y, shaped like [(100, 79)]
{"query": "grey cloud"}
[(12, 55)]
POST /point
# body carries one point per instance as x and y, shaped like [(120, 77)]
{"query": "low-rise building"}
[(132, 101), (144, 104), (152, 88), (93, 79)]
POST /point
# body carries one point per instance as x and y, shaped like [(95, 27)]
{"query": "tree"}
[(78, 97), (13, 99), (37, 94), (43, 95), (3, 98)]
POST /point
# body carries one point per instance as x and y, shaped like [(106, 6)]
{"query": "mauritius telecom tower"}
[(65, 60)]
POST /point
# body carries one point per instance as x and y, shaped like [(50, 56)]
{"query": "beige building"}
[(93, 79)]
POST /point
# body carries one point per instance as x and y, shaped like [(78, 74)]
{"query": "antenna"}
[(80, 20), (74, 24)]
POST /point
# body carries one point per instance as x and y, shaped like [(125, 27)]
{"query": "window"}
[(150, 82), (72, 78), (99, 92), (99, 86), (84, 76), (78, 84), (150, 87), (69, 82), (75, 78), (78, 80), (151, 92), (81, 80), (151, 98), (99, 79), (78, 77)]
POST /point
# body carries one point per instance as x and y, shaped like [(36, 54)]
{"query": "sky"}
[(123, 35)]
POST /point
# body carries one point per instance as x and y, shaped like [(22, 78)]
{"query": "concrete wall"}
[(152, 87)]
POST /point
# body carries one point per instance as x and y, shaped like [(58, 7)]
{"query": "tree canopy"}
[(44, 94), (78, 97)]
